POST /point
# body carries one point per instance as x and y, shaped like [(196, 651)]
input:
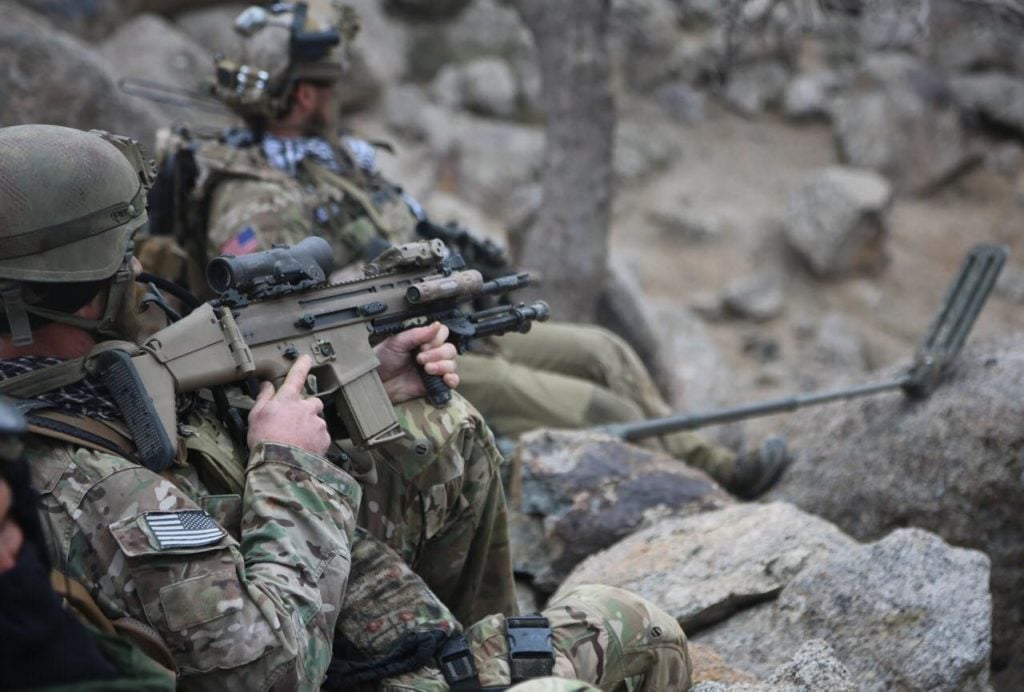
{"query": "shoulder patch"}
[(242, 243), (185, 529)]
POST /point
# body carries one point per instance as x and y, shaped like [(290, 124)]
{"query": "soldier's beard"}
[(127, 324), (323, 119)]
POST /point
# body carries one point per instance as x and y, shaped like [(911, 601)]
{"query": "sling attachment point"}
[(17, 315)]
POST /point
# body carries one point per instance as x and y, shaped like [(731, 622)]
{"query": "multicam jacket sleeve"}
[(249, 214), (256, 613)]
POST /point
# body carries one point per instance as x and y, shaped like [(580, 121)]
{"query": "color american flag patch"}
[(186, 529), (242, 244)]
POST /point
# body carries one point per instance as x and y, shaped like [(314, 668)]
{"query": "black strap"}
[(77, 433), (530, 654), (350, 668)]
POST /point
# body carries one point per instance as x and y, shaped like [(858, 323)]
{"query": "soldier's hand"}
[(11, 536), (287, 417), (398, 367)]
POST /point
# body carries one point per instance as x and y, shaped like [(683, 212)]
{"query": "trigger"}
[(251, 387)]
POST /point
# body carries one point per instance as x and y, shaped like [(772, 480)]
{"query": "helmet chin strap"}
[(117, 292)]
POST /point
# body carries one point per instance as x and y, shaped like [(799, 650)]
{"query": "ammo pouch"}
[(530, 655)]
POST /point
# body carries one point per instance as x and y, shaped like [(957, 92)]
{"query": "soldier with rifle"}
[(272, 586), (288, 175)]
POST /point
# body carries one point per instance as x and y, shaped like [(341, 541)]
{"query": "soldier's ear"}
[(304, 97)]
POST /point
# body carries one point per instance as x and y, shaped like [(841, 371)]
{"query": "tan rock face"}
[(951, 464), (704, 568), (52, 77), (581, 492)]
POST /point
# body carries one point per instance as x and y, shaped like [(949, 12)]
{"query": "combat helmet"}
[(70, 203), (278, 46)]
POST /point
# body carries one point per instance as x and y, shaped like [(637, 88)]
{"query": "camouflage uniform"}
[(258, 603), (558, 375), (268, 586), (603, 635), (553, 685)]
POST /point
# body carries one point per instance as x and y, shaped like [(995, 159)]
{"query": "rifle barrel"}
[(684, 421)]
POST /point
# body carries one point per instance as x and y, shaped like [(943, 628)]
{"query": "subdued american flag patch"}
[(186, 529), (244, 242)]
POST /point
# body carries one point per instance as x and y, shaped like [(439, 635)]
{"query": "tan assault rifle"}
[(278, 304)]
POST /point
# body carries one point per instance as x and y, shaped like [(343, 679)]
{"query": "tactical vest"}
[(359, 212)]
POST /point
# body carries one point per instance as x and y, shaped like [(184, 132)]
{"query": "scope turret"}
[(310, 261)]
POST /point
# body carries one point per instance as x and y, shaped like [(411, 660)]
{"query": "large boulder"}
[(427, 9), (49, 76), (379, 56), (704, 568), (951, 463), (92, 19), (808, 96), (996, 97), (908, 612), (152, 48), (813, 668), (832, 352), (487, 28), (645, 42), (211, 27), (972, 36), (753, 87), (898, 117), (583, 491), (836, 221), (643, 146), (886, 25), (409, 112), (485, 85), (493, 158)]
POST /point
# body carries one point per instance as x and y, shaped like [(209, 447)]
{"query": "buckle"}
[(456, 663), (530, 653)]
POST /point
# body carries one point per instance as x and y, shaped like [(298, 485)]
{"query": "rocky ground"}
[(797, 182)]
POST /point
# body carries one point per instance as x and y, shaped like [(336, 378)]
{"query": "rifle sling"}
[(85, 432), (324, 176), (35, 382)]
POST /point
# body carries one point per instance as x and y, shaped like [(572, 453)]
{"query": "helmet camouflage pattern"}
[(70, 203), (278, 46)]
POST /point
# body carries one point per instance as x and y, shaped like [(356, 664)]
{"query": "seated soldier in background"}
[(289, 176), (273, 586)]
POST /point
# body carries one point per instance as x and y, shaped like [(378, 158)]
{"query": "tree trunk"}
[(568, 243)]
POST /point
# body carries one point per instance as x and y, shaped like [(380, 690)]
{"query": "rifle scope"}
[(310, 260)]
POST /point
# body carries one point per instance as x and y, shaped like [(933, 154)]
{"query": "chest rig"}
[(357, 210)]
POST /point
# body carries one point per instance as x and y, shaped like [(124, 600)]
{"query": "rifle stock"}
[(276, 306)]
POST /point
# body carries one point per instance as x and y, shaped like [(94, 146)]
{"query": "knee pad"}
[(608, 635)]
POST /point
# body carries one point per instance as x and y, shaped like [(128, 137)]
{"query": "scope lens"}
[(219, 275)]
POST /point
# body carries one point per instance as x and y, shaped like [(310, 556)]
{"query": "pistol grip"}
[(438, 393)]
